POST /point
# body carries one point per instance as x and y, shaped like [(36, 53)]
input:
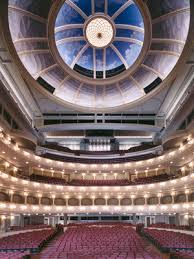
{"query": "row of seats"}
[(13, 255), (28, 227), (186, 254), (99, 182), (100, 242), (167, 240), (26, 241), (122, 182), (87, 224), (83, 182), (153, 179), (170, 226), (47, 179)]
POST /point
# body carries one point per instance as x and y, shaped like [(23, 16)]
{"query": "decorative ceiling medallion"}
[(99, 32)]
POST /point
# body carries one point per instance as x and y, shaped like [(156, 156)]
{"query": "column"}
[(173, 199), (146, 199), (11, 195), (134, 218), (21, 220), (132, 199), (80, 199), (159, 198), (25, 197), (93, 199), (65, 219), (53, 199), (187, 195), (66, 200), (39, 198)]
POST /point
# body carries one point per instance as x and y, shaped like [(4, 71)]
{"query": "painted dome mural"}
[(103, 40), (99, 54)]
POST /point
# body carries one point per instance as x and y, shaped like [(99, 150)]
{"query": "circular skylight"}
[(99, 40), (99, 32)]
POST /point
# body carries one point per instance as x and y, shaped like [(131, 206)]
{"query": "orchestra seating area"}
[(30, 241), (169, 226), (169, 240), (100, 242)]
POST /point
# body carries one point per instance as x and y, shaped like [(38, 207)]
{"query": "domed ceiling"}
[(99, 54)]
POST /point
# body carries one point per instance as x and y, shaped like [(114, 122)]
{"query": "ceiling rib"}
[(119, 55), (121, 93), (62, 82), (163, 17), (137, 84), (121, 9), (104, 63), (33, 51), (79, 55), (76, 8), (131, 40), (68, 27), (70, 39), (36, 39), (153, 70), (31, 15), (94, 62), (169, 41), (106, 6), (164, 52), (77, 93), (40, 73), (129, 27)]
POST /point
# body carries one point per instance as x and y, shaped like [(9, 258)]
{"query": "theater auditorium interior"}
[(97, 129)]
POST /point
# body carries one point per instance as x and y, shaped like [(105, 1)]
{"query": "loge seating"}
[(167, 240), (169, 226), (47, 179), (26, 241), (99, 182), (152, 179), (110, 241), (19, 228), (83, 182), (143, 180)]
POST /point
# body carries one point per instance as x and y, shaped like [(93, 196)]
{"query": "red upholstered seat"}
[(170, 226), (113, 241), (169, 239), (28, 240), (28, 227)]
